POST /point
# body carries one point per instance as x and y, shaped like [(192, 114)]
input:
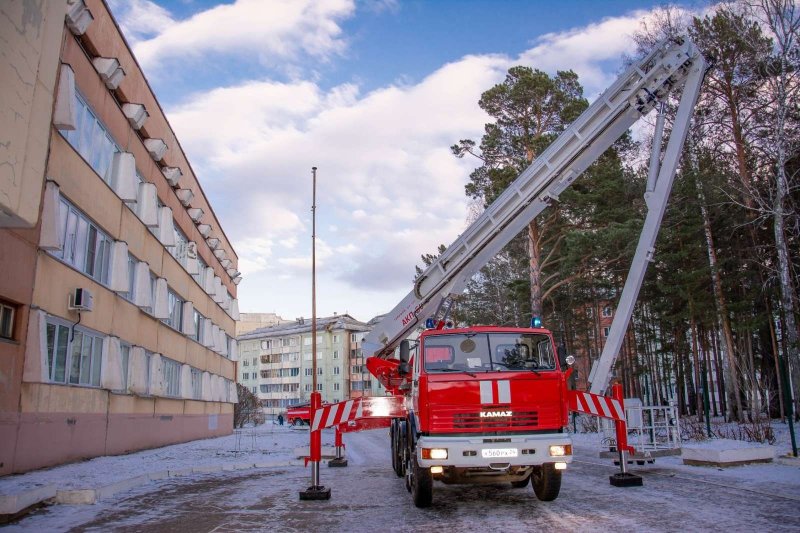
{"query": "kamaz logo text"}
[(495, 414)]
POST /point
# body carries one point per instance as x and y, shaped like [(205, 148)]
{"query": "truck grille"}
[(451, 420)]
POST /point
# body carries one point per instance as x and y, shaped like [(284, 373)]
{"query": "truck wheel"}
[(397, 464), (546, 481), (421, 485), (297, 422)]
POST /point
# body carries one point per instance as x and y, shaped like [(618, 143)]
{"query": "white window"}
[(245, 376), (254, 390), (83, 244), (336, 400), (336, 338), (202, 266), (309, 371), (606, 331), (197, 384), (353, 337), (245, 362), (179, 251), (284, 342), (307, 356), (132, 261), (266, 345), (293, 341), (308, 387), (75, 357), (319, 371), (198, 327), (171, 370), (319, 386), (91, 138), (307, 341), (175, 304), (336, 386), (607, 311), (336, 354), (336, 370), (255, 361), (125, 353), (7, 313), (589, 312)]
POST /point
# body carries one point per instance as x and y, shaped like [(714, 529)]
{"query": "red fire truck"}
[(488, 404)]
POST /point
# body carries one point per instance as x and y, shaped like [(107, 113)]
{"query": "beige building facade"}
[(276, 362), (118, 288)]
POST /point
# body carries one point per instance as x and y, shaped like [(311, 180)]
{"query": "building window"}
[(606, 331), (308, 387), (607, 311), (246, 376), (353, 337), (319, 371), (336, 354), (336, 338), (172, 377), (309, 371), (197, 384), (336, 386), (266, 345), (125, 353), (319, 386), (307, 341), (7, 313), (202, 265), (73, 358), (91, 139), (254, 390), (589, 312), (336, 370), (179, 251), (245, 362), (83, 245), (175, 303)]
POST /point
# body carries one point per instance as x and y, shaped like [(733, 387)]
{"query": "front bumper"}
[(468, 452)]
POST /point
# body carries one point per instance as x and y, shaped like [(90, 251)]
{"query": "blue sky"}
[(371, 92)]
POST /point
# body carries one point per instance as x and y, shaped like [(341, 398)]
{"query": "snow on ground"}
[(270, 448)]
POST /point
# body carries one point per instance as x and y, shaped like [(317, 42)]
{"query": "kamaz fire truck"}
[(490, 404)]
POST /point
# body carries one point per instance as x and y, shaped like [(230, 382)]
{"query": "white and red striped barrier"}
[(368, 407), (594, 404)]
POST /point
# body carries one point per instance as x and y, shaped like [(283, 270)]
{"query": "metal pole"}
[(788, 402), (315, 491)]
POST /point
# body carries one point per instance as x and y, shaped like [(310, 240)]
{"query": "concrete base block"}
[(77, 496), (11, 504), (316, 493), (726, 452)]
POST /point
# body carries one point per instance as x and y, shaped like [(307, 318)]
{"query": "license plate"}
[(493, 453)]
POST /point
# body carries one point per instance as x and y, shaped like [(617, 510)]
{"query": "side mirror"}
[(570, 360), (405, 351), (564, 359)]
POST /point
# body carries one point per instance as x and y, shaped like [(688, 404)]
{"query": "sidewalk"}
[(87, 482)]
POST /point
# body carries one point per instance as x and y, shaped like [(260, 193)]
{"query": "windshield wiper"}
[(467, 372)]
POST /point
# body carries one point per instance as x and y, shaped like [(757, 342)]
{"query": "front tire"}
[(421, 484), (546, 481)]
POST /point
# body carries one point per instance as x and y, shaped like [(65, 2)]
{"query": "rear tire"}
[(397, 458), (421, 485), (546, 481)]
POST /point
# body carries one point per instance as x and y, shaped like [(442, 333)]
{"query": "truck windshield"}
[(489, 352)]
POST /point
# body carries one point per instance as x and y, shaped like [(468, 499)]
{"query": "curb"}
[(12, 504)]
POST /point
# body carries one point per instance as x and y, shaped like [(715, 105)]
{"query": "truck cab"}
[(486, 404)]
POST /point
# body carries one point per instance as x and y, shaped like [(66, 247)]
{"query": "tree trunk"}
[(535, 253)]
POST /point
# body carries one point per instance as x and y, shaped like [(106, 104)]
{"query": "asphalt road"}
[(367, 496)]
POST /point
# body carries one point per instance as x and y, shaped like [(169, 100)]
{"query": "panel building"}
[(276, 362), (118, 287)]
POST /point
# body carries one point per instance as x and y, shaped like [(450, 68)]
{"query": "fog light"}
[(561, 466), (560, 450), (437, 469), (434, 453)]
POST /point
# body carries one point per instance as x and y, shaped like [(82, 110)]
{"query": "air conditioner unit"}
[(81, 300)]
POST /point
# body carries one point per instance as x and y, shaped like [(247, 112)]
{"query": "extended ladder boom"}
[(644, 85)]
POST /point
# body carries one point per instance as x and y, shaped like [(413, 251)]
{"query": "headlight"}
[(561, 466), (434, 453), (437, 469), (560, 450)]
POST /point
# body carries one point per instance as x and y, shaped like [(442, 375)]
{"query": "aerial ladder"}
[(671, 65)]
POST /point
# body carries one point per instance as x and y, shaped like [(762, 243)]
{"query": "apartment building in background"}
[(251, 321), (276, 362), (118, 293)]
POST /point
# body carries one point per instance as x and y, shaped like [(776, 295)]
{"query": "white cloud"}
[(276, 31), (140, 19), (388, 189)]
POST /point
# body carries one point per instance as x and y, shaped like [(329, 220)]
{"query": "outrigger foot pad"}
[(339, 461), (625, 479), (317, 492)]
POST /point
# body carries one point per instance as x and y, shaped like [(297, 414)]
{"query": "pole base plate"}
[(338, 462), (316, 493), (625, 479)]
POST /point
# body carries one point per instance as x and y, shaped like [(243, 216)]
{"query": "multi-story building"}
[(118, 285), (251, 321), (276, 362)]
